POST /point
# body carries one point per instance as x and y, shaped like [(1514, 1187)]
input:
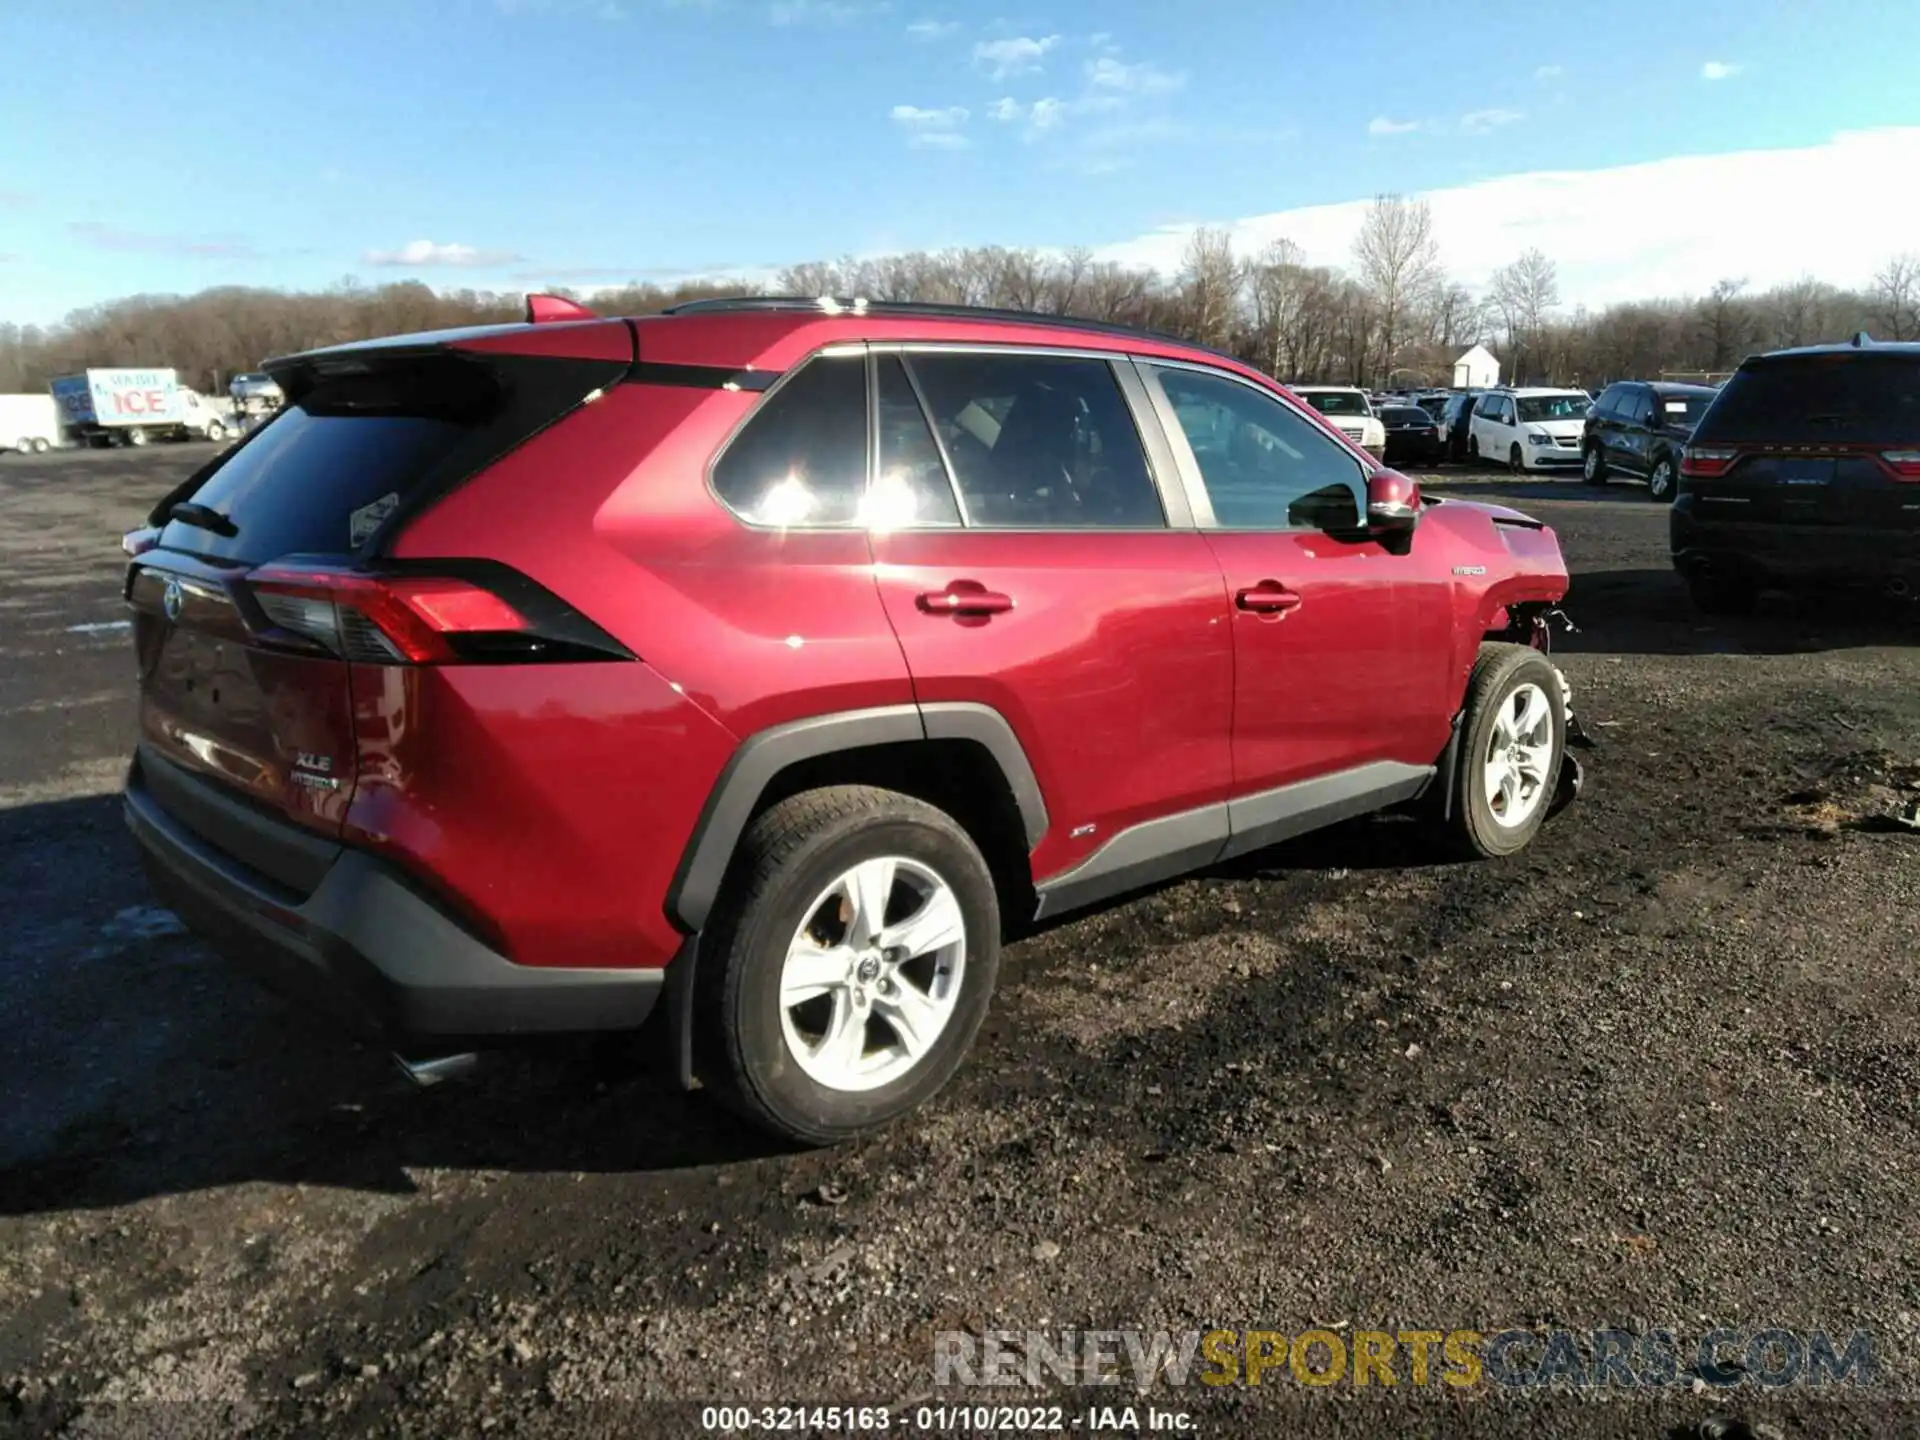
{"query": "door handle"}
[(1267, 598), (964, 597)]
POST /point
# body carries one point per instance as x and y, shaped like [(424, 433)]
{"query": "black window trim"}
[(1188, 464)]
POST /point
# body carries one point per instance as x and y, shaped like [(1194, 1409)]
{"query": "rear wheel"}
[(23, 445), (1513, 741), (1593, 469), (136, 436), (41, 444), (1661, 484), (1722, 594), (851, 964), (216, 431)]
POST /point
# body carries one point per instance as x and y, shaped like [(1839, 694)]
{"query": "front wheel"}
[(1473, 448), (1513, 741), (851, 963), (1661, 484), (1516, 462), (1593, 469), (216, 432), (136, 437), (41, 445)]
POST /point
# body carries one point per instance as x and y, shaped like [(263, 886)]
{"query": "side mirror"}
[(1393, 505)]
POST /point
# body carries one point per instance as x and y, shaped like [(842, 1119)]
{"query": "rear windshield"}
[(1337, 402), (1682, 409), (1406, 415), (1807, 399), (322, 474)]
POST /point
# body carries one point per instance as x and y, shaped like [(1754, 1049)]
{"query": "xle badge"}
[(1469, 569), (314, 771)]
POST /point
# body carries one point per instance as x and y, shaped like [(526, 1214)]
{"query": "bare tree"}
[(1525, 291), (1399, 265), (1896, 293), (1726, 324), (1210, 287)]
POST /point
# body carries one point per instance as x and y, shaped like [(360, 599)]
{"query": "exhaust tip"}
[(441, 1067), (1898, 587)]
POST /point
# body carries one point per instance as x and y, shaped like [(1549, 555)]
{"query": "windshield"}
[(1338, 402), (1553, 407)]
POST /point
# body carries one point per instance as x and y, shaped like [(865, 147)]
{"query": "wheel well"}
[(957, 776)]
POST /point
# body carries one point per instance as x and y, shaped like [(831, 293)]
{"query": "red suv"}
[(765, 660)]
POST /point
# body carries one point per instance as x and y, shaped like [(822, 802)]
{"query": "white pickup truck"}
[(135, 406)]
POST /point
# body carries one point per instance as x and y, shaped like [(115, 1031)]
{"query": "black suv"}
[(1805, 470), (1638, 428), (1455, 417)]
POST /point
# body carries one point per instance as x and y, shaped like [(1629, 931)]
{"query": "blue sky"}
[(514, 143)]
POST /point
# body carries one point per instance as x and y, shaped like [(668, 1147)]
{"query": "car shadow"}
[(1648, 612), (139, 1064)]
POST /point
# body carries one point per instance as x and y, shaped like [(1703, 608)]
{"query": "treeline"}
[(1392, 316)]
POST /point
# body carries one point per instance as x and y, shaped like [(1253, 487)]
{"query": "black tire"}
[(1722, 594), (41, 445), (1663, 481), (1593, 469), (1516, 462), (789, 855), (1498, 672), (1473, 448), (137, 437)]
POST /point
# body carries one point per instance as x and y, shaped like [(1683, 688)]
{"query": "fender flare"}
[(763, 755)]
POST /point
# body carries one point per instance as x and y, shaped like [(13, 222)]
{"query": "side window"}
[(910, 485), (1506, 410), (1265, 468), (801, 460), (1611, 405), (1038, 441), (1641, 410)]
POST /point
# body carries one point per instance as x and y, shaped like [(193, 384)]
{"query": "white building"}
[(1476, 370)]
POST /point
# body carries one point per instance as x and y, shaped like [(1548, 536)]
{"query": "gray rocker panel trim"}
[(1173, 845), (762, 756)]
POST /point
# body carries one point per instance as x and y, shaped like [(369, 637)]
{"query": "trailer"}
[(134, 407), (30, 424)]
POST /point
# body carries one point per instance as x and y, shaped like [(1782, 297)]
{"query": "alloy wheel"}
[(1519, 756), (872, 975)]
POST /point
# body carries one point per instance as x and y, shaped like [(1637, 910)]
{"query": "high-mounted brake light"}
[(1902, 464), (1707, 462), (382, 620), (550, 309)]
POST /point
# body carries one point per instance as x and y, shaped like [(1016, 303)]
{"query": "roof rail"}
[(926, 310)]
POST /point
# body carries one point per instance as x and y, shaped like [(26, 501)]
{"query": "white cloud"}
[(422, 253), (933, 29), (1381, 125), (1143, 78), (1007, 110), (1485, 122), (932, 129), (1046, 113), (913, 115), (1549, 72), (1718, 70), (1573, 215), (1013, 56)]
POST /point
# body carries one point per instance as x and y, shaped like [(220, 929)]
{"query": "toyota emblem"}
[(172, 599)]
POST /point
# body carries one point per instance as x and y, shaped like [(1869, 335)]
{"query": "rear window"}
[(1683, 409), (350, 450), (1807, 399), (1406, 415)]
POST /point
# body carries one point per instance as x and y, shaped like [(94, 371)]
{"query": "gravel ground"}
[(1657, 1073)]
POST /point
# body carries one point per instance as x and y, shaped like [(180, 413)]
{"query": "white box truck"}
[(133, 407), (29, 424)]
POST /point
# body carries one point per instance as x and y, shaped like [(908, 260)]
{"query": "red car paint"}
[(1143, 673)]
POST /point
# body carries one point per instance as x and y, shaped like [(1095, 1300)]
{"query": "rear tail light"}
[(422, 619), (1904, 464), (1707, 462)]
